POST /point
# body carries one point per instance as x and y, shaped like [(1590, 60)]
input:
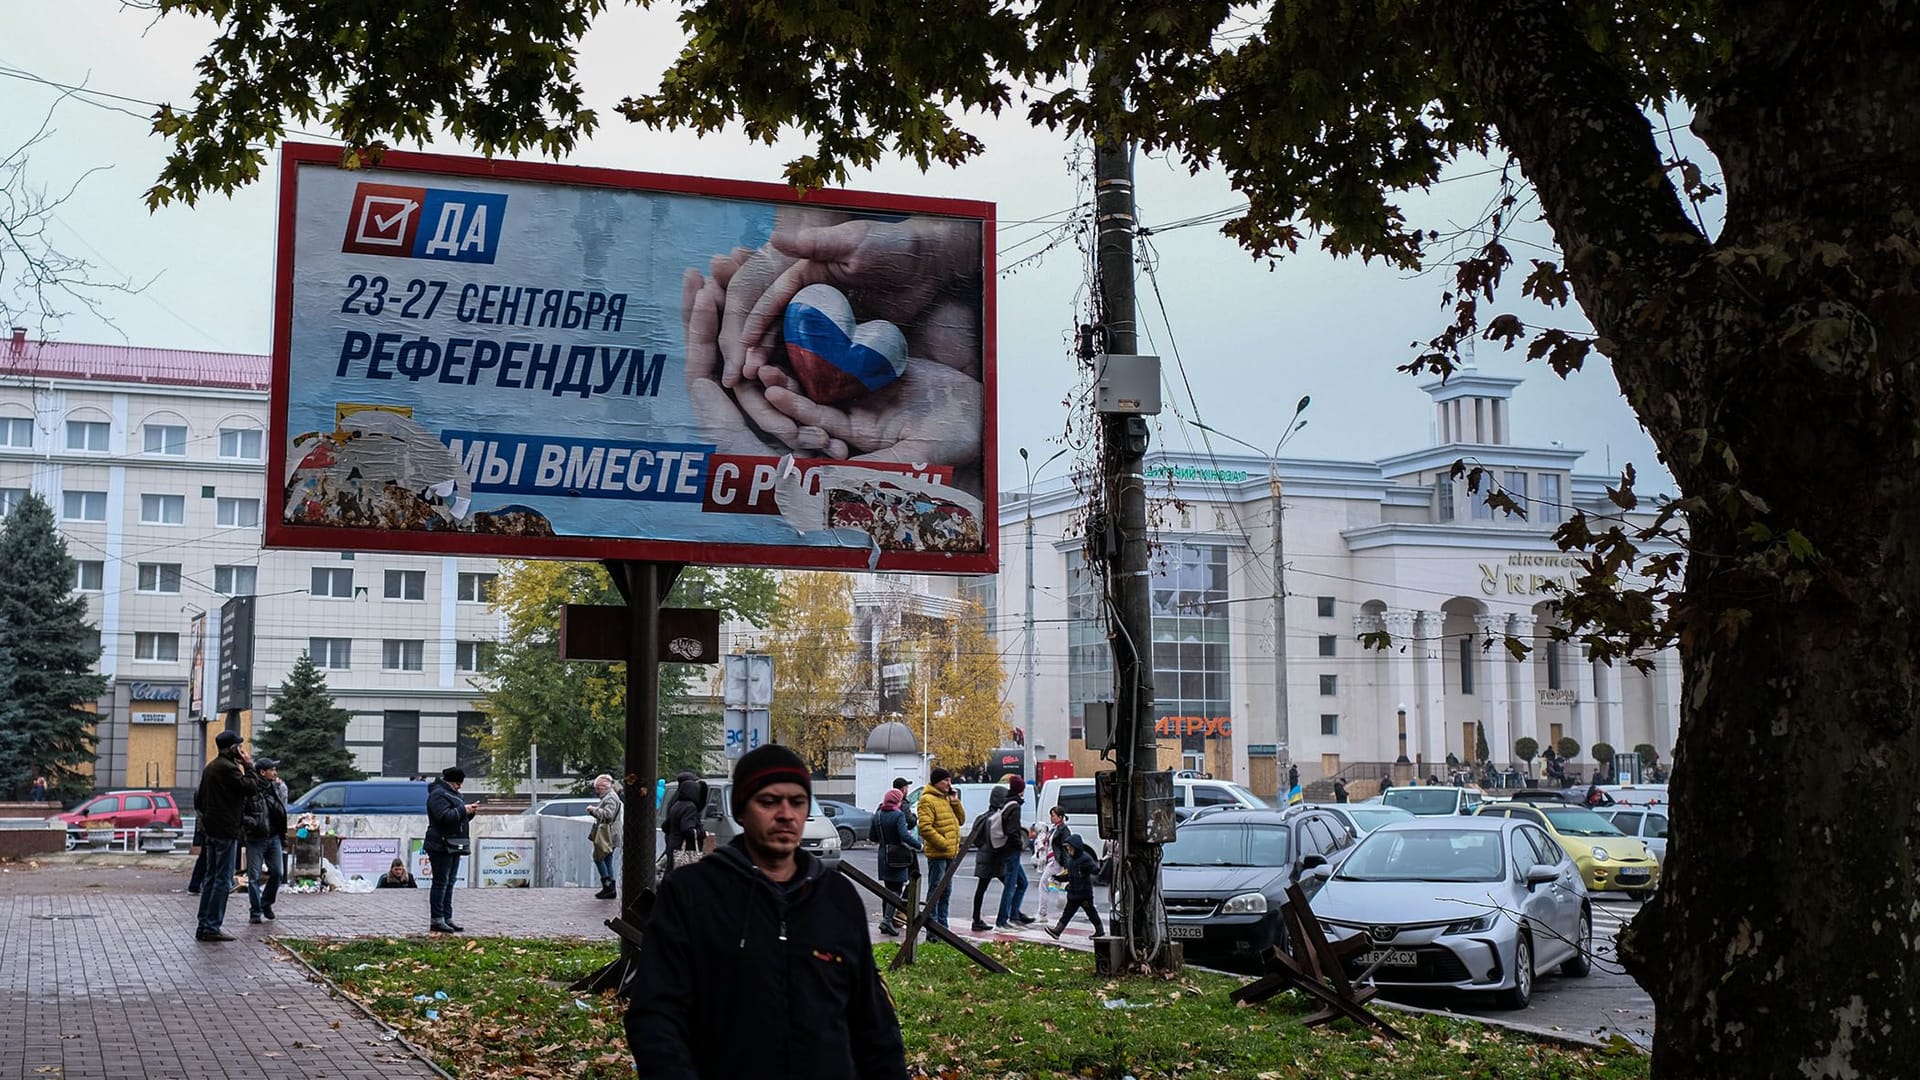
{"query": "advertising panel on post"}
[(235, 685), (539, 361)]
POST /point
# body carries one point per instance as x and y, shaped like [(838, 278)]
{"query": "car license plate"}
[(1175, 930), (1390, 958), (1633, 875)]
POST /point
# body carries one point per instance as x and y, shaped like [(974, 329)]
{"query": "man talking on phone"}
[(761, 933)]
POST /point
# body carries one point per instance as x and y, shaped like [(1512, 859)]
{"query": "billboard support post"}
[(646, 586)]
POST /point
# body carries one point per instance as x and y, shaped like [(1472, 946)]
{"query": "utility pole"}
[(1145, 792)]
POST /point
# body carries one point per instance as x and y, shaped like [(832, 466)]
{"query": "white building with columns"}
[(1395, 545)]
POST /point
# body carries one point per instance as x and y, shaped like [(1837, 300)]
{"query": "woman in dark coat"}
[(447, 817), (681, 821)]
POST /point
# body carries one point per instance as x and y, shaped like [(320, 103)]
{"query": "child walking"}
[(1081, 866), (1048, 860)]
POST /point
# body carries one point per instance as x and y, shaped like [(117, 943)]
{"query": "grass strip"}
[(506, 1011)]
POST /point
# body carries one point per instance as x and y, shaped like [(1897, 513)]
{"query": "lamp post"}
[(1282, 728), (1026, 649)]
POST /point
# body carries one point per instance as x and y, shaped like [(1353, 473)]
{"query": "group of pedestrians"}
[(241, 808)]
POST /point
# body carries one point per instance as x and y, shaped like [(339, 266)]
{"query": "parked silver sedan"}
[(1461, 903)]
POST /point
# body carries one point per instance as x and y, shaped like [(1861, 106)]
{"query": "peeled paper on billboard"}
[(525, 360)]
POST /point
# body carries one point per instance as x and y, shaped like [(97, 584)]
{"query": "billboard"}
[(197, 667), (525, 360)]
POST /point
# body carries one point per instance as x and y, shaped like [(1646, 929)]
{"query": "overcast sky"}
[(1252, 340)]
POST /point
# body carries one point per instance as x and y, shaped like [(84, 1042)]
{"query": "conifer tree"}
[(13, 762), (309, 732), (54, 652)]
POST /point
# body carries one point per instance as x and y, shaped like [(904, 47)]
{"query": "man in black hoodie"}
[(760, 930)]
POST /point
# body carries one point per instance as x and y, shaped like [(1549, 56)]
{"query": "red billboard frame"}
[(280, 534)]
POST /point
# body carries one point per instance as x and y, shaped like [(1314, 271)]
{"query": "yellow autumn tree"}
[(815, 665), (960, 691)]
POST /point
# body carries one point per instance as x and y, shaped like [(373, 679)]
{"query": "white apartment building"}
[(1394, 545), (154, 463)]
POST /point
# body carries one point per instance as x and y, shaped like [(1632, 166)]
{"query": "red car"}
[(125, 810)]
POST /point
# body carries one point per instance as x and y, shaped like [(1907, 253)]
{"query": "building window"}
[(1466, 665), (237, 513), (163, 509), (1329, 685), (1329, 723), (234, 580), (156, 648), (1443, 498), (1553, 665), (398, 655), (473, 657), (168, 439), (336, 582), (11, 498), (16, 433), (83, 505), (1323, 606), (1089, 656), (467, 753), (1550, 508), (400, 743), (89, 575), (477, 588), (1329, 643), (406, 584), (160, 577), (1477, 500), (1517, 491), (88, 435), (1192, 657), (240, 444), (983, 590), (331, 653)]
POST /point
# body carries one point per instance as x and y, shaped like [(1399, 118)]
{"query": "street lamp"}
[(1026, 651), (1282, 732)]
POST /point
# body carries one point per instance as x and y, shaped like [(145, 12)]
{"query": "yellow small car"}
[(1609, 860)]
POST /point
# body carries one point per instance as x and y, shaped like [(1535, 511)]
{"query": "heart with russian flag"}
[(834, 358)]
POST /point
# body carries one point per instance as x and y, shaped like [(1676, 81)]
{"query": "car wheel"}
[(1581, 963), (1517, 996), (846, 838)]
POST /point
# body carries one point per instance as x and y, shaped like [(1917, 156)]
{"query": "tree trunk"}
[(1777, 371)]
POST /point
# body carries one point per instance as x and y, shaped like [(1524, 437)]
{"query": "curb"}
[(1568, 1039), (333, 989)]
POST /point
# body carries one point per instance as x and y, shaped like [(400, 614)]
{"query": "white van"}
[(1074, 794)]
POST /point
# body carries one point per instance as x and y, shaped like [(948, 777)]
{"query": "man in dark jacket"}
[(756, 961), (447, 817), (220, 802), (264, 837), (1073, 853)]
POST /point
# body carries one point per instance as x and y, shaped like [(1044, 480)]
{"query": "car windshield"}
[(1369, 818), (1425, 855), (1247, 797), (1201, 844), (1574, 821), (1422, 800)]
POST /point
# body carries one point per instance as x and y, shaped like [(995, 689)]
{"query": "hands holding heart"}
[(848, 389)]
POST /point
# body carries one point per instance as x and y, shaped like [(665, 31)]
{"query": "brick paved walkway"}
[(100, 976)]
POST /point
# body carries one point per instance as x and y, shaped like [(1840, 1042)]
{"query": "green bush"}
[(1569, 746)]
